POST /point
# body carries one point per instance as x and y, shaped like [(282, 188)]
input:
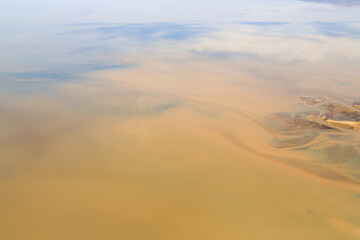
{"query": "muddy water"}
[(237, 121), (223, 160)]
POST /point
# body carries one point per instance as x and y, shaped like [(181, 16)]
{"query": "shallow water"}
[(173, 120)]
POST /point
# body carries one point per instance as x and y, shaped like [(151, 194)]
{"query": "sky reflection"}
[(145, 32), (40, 53), (54, 48), (337, 2)]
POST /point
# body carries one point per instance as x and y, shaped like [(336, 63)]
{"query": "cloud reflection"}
[(263, 23), (337, 29), (61, 73), (143, 31), (336, 2)]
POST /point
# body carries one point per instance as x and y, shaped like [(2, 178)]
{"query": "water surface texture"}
[(175, 120)]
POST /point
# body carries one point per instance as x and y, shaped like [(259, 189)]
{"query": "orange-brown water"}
[(179, 120), (173, 151)]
